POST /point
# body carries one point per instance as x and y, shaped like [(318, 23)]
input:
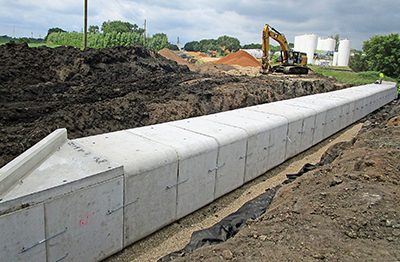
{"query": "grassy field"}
[(35, 42), (42, 44), (345, 75)]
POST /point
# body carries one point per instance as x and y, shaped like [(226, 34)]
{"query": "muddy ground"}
[(347, 210)]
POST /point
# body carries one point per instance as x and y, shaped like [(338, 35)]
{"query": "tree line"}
[(221, 45), (381, 53), (111, 33)]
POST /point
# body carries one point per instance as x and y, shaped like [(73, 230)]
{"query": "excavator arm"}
[(280, 38)]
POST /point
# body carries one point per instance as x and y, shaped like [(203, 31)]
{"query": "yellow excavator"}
[(291, 62)]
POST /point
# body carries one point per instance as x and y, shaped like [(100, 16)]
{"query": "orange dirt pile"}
[(197, 54), (172, 56), (241, 58)]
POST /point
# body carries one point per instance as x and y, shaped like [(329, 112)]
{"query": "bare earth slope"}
[(97, 91)]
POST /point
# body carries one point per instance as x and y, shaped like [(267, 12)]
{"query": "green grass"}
[(345, 75), (35, 42), (42, 44)]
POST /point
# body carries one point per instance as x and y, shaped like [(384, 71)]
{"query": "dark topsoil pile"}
[(97, 91)]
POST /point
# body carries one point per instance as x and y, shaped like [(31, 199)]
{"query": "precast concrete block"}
[(18, 168), (354, 94), (299, 120), (335, 113), (69, 168), (276, 147), (317, 130), (231, 158), (258, 133), (86, 225), (197, 155), (22, 235), (150, 168), (315, 114)]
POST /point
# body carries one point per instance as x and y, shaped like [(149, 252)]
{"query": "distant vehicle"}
[(188, 58), (184, 56)]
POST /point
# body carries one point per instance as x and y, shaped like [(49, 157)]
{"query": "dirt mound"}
[(198, 54), (172, 56), (241, 58), (97, 91)]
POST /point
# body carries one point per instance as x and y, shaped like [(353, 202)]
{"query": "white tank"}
[(344, 52), (321, 44), (326, 44), (310, 46), (299, 43), (335, 58), (296, 43), (330, 44)]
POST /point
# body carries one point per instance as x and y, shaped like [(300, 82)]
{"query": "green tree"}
[(173, 47), (357, 61), (157, 42), (382, 53), (120, 27), (272, 50), (252, 46), (228, 42), (94, 29), (53, 30), (23, 40), (189, 46), (207, 44)]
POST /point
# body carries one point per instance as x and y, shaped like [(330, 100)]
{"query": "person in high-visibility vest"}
[(398, 93), (380, 77)]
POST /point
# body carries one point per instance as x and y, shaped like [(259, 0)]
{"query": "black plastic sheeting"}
[(230, 225)]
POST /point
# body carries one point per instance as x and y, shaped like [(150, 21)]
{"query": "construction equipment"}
[(190, 59), (291, 62), (212, 53), (224, 50)]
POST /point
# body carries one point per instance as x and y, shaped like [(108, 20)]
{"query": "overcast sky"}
[(356, 20)]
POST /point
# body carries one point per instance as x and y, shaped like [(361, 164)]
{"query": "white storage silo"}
[(299, 43), (344, 52), (310, 46), (335, 58), (329, 44), (321, 43), (296, 43)]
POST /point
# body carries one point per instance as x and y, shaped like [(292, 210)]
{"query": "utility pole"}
[(85, 26), (144, 38)]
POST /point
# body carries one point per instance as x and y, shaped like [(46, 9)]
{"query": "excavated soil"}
[(241, 58), (346, 210), (172, 56), (97, 91)]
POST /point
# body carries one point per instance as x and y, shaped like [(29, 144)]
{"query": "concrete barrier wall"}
[(85, 199)]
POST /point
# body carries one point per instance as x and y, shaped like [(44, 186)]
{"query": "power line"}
[(110, 10), (127, 12)]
